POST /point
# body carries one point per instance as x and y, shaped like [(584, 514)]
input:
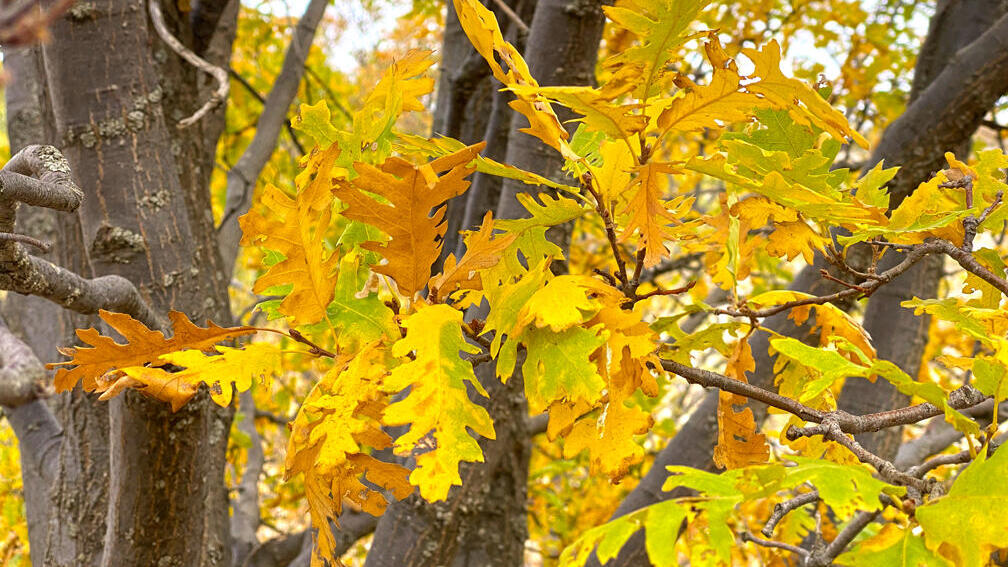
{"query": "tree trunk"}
[(145, 218)]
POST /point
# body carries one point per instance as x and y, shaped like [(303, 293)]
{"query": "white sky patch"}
[(364, 30)]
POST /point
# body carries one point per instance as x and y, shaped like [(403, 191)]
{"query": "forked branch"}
[(40, 176)]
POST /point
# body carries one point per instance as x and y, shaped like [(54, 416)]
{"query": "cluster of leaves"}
[(349, 251)]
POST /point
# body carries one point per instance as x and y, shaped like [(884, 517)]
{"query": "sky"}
[(363, 31)]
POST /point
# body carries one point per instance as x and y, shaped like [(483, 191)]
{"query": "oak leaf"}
[(291, 227), (410, 193), (481, 26), (651, 214), (142, 346), (437, 408), (739, 441), (482, 251), (802, 102), (240, 366)]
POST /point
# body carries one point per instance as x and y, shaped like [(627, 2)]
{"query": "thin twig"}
[(219, 95), (262, 100), (782, 509), (512, 15), (803, 553), (842, 540), (661, 292), (587, 182), (312, 347), (25, 239)]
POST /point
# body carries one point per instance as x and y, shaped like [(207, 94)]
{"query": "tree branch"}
[(221, 76), (242, 177), (245, 504), (782, 509), (262, 100), (40, 176), (22, 376)]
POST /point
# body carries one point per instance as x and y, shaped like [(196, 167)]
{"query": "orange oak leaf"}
[(649, 212), (739, 442), (412, 213), (143, 346), (482, 251)]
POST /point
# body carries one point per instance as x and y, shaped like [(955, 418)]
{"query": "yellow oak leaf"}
[(711, 106), (233, 365), (609, 438), (960, 167), (143, 346), (650, 214), (293, 228), (789, 239), (437, 408), (563, 414), (482, 251), (566, 301), (412, 192), (399, 90), (613, 177), (335, 428), (739, 441), (481, 26), (631, 343), (661, 27), (801, 101), (600, 114)]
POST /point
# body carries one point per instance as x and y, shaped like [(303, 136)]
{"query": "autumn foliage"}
[(350, 249)]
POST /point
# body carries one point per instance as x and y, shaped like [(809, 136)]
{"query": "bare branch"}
[(22, 376), (25, 239), (40, 176), (242, 177), (512, 15), (262, 100), (886, 469), (782, 509), (865, 289), (939, 461), (245, 504), (709, 379), (842, 540), (803, 553), (835, 425), (221, 76)]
